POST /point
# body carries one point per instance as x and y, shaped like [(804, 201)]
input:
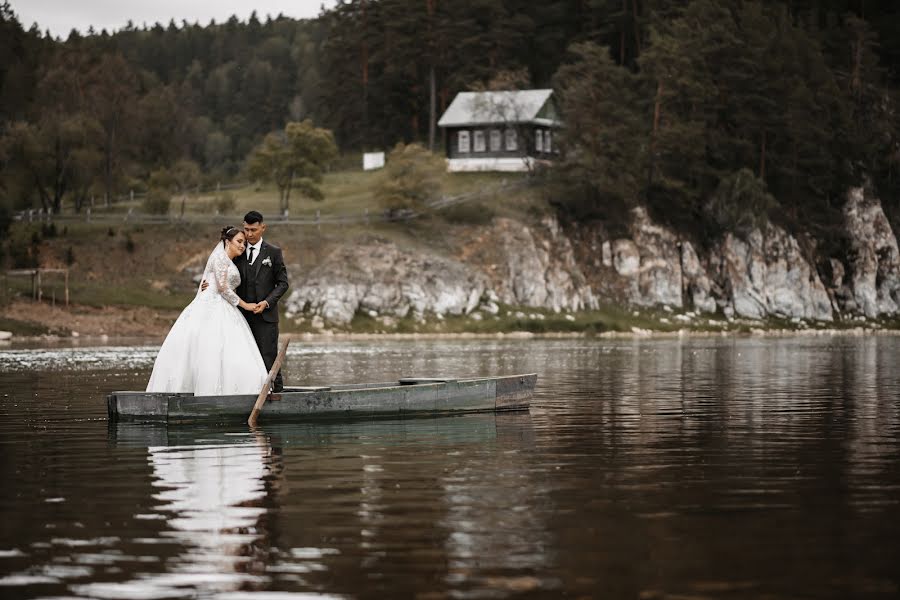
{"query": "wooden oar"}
[(261, 399)]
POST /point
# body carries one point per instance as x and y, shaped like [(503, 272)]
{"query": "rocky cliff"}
[(537, 265)]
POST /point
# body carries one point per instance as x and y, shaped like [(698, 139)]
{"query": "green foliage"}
[(161, 179), (469, 213), (23, 328), (5, 219), (740, 204), (725, 88), (224, 202), (604, 144), (24, 247), (185, 175), (157, 202), (295, 158), (412, 176), (662, 98)]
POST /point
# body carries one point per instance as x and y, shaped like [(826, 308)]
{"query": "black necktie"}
[(250, 258)]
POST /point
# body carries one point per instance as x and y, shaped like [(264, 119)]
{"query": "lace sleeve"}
[(220, 265)]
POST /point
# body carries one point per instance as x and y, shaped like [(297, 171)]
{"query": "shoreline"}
[(43, 323), (118, 340)]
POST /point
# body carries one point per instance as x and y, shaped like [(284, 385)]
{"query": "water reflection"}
[(738, 468), (222, 497)]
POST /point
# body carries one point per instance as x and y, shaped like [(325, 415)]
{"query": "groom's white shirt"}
[(256, 247)]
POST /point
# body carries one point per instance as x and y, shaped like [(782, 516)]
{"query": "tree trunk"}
[(107, 164), (59, 181), (432, 107), (637, 30), (285, 205), (432, 84), (657, 113), (364, 59), (762, 157)]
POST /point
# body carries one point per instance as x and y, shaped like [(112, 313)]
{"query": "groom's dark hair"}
[(252, 217)]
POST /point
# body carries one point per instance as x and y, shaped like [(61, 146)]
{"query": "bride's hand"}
[(249, 306)]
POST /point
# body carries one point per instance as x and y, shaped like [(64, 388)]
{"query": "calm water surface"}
[(703, 468)]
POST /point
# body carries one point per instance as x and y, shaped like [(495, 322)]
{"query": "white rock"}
[(874, 260), (490, 307), (377, 277), (606, 254), (767, 274), (538, 267)]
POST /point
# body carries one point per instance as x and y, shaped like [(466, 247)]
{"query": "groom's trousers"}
[(266, 336)]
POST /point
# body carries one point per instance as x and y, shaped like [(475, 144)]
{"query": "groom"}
[(263, 282)]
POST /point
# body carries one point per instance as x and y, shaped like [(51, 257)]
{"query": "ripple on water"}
[(663, 468)]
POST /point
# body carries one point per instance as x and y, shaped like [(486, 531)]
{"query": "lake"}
[(647, 468)]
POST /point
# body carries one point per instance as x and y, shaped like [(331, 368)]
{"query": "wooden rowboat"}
[(407, 397)]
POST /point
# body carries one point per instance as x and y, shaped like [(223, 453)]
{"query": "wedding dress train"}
[(210, 349)]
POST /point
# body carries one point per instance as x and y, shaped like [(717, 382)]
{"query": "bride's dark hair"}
[(228, 234)]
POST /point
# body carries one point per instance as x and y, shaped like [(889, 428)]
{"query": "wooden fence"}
[(37, 282), (310, 219)]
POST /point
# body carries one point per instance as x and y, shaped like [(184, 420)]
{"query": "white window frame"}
[(511, 139), (538, 140), (462, 142), (496, 140), (478, 142)]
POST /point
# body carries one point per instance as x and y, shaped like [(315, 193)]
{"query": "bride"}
[(210, 349)]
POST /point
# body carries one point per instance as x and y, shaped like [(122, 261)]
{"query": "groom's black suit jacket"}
[(266, 279)]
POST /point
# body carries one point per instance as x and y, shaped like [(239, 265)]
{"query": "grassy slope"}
[(134, 265)]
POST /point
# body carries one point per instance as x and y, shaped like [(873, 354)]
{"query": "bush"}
[(224, 202), (411, 178), (157, 202), (24, 247), (5, 219), (740, 204), (469, 213)]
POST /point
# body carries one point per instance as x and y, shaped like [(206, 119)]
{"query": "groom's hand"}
[(203, 285), (260, 307)]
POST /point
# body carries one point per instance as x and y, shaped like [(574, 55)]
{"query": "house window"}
[(512, 143), (478, 141), (547, 145), (496, 140), (462, 142), (538, 140)]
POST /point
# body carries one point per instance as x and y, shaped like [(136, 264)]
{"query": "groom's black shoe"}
[(277, 388)]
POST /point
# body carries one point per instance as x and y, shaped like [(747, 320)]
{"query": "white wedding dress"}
[(210, 349)]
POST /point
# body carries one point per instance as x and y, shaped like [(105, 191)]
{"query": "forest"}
[(716, 114)]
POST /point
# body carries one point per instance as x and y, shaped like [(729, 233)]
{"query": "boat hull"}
[(404, 398)]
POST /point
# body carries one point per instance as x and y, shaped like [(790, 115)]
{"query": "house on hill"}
[(500, 131)]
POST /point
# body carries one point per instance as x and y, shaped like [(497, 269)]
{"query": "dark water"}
[(707, 468)]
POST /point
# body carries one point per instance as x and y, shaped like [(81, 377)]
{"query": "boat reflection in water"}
[(241, 524)]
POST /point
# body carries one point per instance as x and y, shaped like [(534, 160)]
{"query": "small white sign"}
[(373, 160)]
